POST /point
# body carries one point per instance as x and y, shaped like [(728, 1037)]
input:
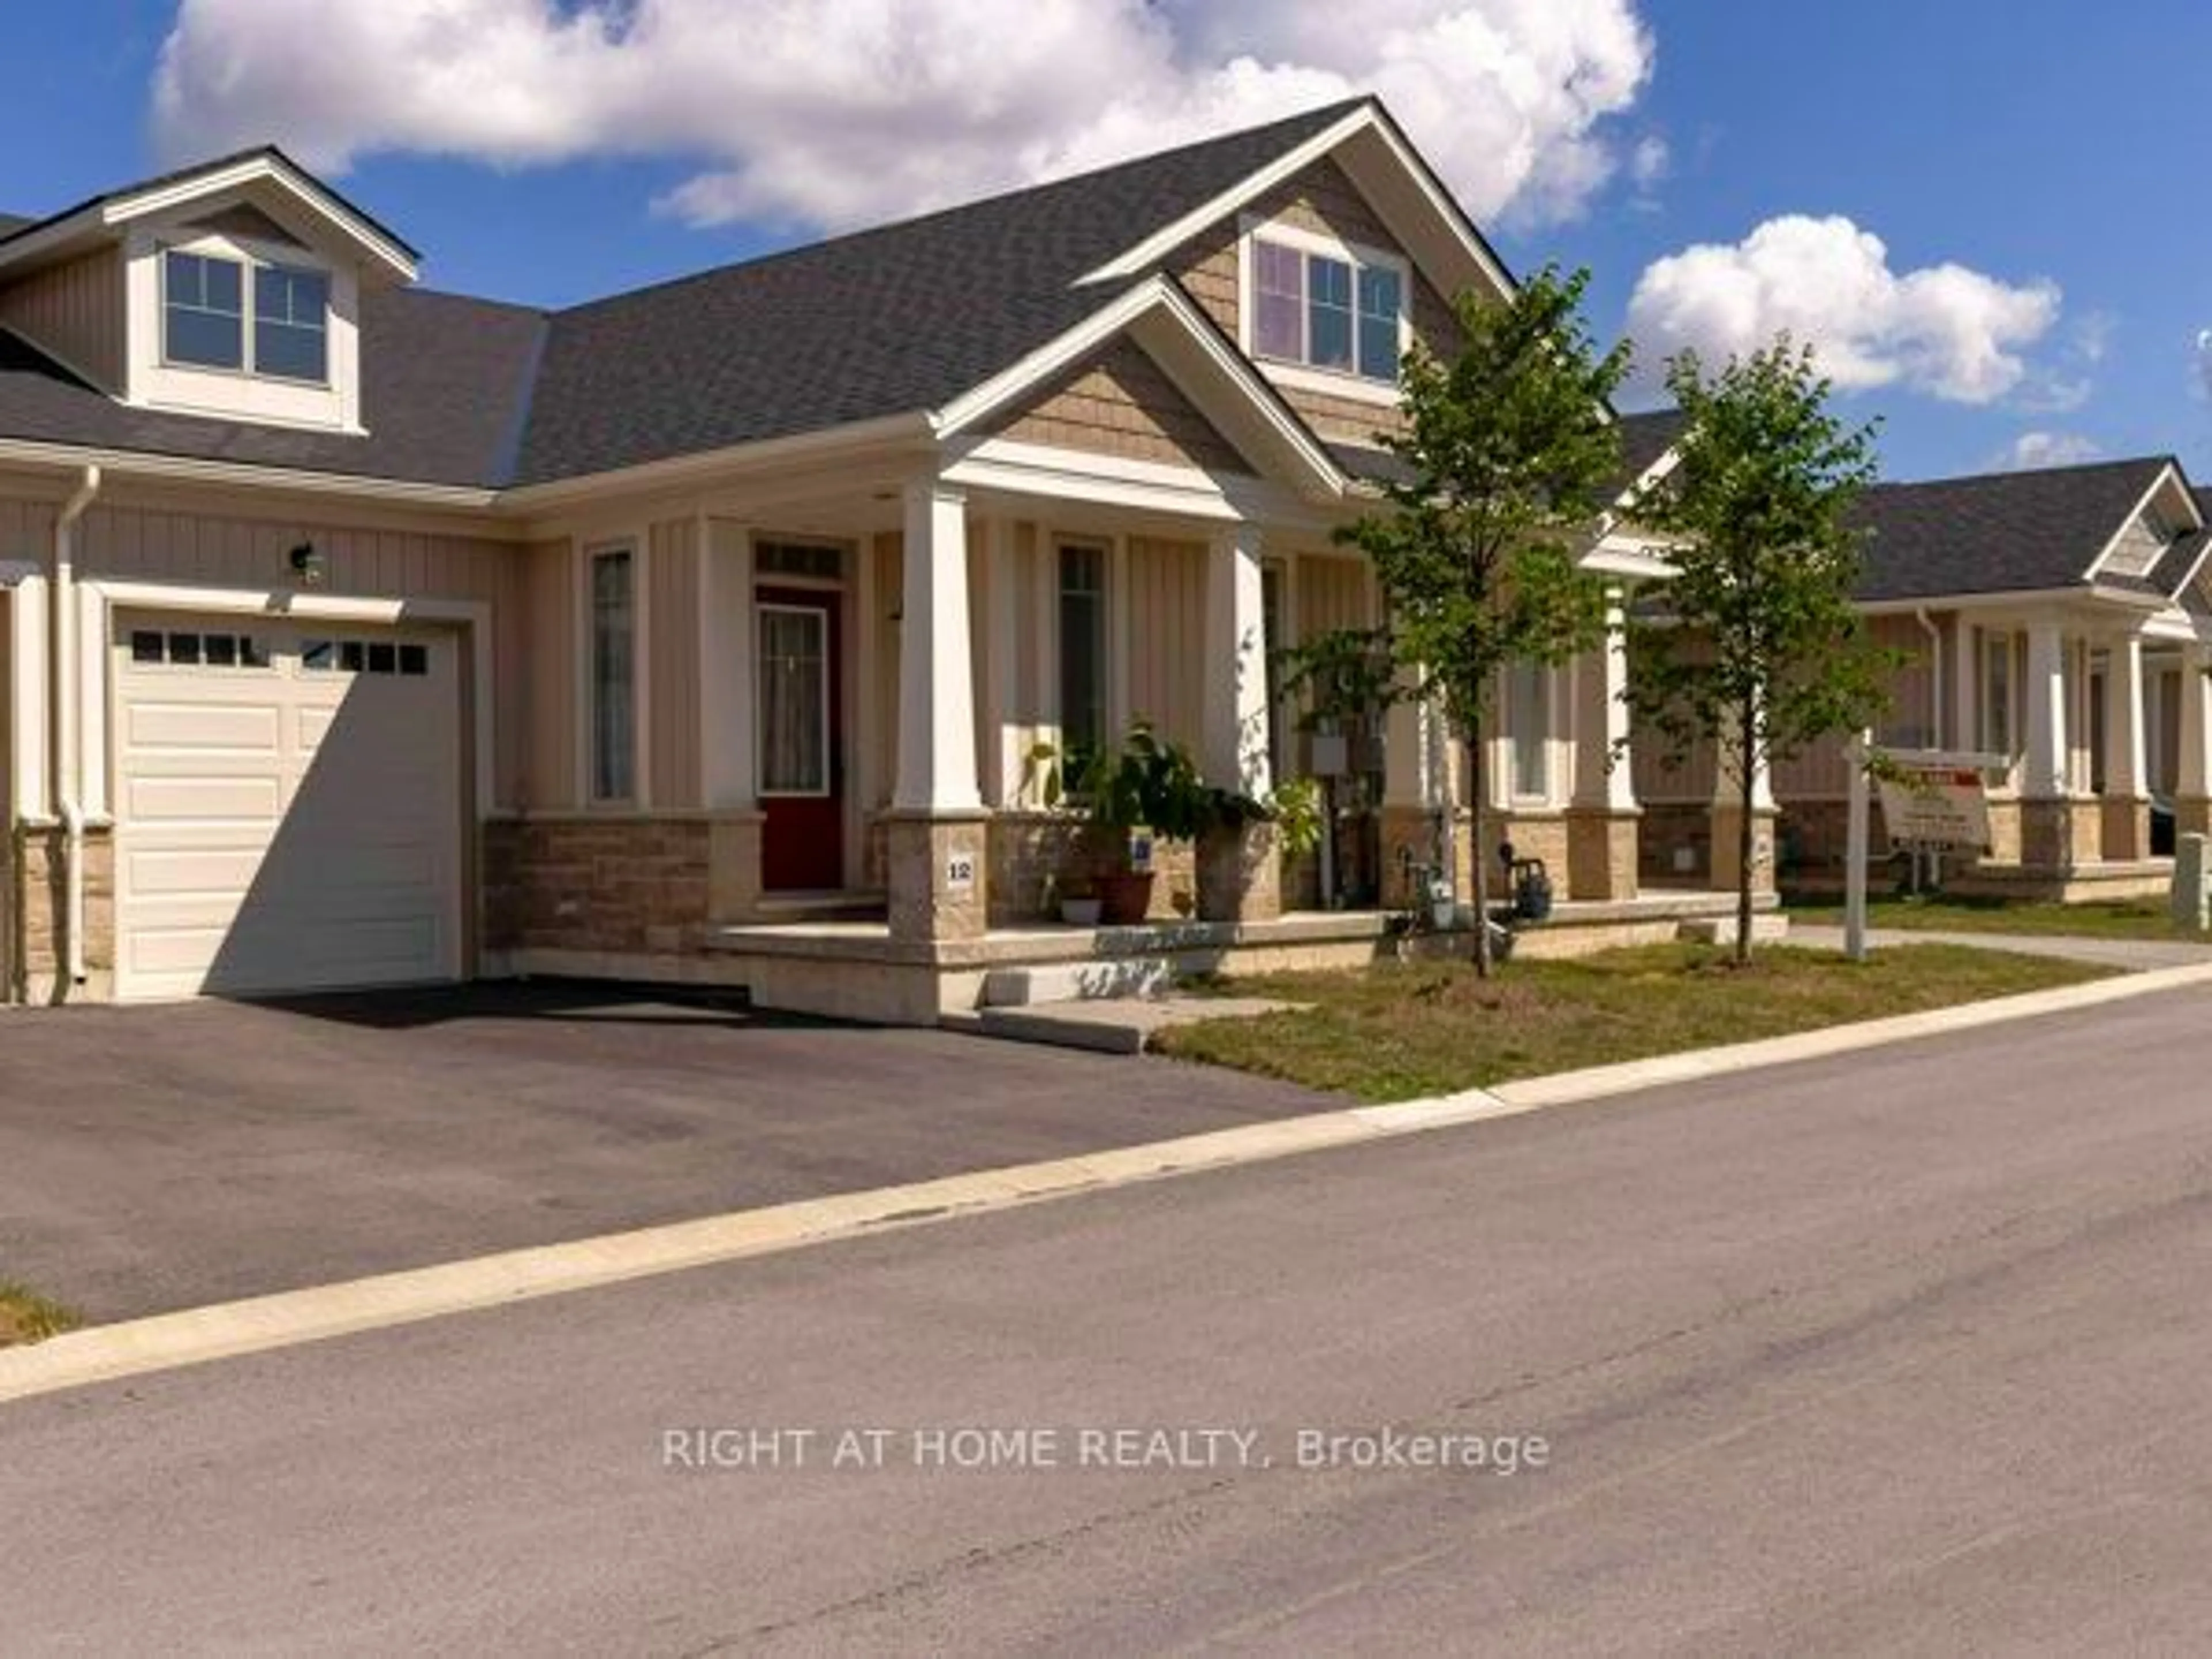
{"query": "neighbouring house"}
[(2054, 621), (356, 634)]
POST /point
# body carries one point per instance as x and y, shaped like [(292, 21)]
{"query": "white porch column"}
[(2124, 831), (937, 693), (2126, 760), (30, 686), (2046, 771), (1236, 661), (2192, 792), (1002, 748), (1603, 837), (1602, 717)]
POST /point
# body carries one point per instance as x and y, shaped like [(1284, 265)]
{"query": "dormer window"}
[(206, 320), (1336, 309)]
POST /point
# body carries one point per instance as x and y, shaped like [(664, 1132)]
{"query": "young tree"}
[(1507, 447), (1759, 650)]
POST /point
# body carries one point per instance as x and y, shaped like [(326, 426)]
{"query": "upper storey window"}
[(1338, 310), (276, 325)]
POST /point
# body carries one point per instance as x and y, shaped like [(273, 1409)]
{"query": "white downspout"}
[(69, 721)]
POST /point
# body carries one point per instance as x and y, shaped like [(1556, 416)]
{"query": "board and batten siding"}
[(549, 665), (672, 661), (76, 312), (151, 539), (1321, 199), (1165, 595)]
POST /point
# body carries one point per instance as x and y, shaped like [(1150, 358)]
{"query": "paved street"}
[(154, 1158), (1901, 1352)]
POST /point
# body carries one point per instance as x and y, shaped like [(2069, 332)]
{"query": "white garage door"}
[(289, 808)]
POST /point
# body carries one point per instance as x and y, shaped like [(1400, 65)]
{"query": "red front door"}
[(801, 759)]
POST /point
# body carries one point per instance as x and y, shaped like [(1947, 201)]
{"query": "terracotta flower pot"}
[(1124, 897)]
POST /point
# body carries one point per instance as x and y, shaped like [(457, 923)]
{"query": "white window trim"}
[(826, 612), (2013, 639), (587, 707), (1348, 384), (152, 380), (1115, 703)]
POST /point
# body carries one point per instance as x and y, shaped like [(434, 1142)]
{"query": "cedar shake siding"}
[(1122, 403)]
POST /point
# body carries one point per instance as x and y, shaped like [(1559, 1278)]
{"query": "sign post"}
[(1856, 834)]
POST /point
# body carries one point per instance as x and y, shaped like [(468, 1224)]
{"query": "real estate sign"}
[(1929, 804)]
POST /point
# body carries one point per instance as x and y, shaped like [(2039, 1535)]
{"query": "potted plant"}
[(1079, 903), (1144, 791)]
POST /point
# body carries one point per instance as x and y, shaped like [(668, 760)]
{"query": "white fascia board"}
[(1155, 296), (2126, 524), (124, 209), (890, 432), (1144, 255), (1014, 467), (132, 464)]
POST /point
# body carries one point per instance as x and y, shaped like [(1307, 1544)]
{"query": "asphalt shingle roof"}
[(882, 322), (442, 393), (887, 321), (2006, 532)]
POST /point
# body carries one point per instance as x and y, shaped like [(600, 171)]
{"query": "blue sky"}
[(2027, 168)]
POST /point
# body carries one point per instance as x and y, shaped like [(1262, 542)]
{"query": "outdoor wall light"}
[(307, 564)]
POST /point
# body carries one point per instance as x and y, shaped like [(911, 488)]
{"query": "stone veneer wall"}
[(1030, 849), (619, 886), (1669, 827), (36, 947)]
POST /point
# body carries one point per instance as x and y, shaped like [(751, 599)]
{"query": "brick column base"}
[(1603, 847), (1240, 875), (2125, 830), (939, 875), (2192, 815), (733, 867), (1727, 827), (2059, 835)]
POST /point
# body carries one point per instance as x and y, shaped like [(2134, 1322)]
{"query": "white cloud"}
[(1943, 328), (1648, 163), (834, 114), (2204, 361), (2037, 449)]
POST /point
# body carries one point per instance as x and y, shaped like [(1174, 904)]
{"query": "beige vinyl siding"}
[(76, 312), (1821, 771), (1120, 403), (1166, 601), (151, 539), (1334, 593), (1324, 200), (671, 662), (890, 554), (547, 663)]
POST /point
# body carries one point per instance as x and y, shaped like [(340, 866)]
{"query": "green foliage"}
[(1345, 677), (1295, 810), (1150, 782), (1760, 651), (1509, 447)]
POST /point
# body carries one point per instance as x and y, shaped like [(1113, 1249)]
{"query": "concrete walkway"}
[(2135, 955)]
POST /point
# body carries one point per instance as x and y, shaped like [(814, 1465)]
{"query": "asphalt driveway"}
[(154, 1158)]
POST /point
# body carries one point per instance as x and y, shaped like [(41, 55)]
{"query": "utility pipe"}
[(68, 724)]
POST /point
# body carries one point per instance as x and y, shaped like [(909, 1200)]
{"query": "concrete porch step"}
[(824, 905), (1110, 1025), (1051, 983)]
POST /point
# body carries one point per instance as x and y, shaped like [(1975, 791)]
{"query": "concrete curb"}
[(226, 1330)]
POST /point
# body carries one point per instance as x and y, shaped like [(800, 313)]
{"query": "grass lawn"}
[(2106, 919), (25, 1317), (1397, 1031)]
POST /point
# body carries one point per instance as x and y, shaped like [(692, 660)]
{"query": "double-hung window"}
[(1996, 689), (1338, 312), (276, 325), (614, 666), (1528, 710)]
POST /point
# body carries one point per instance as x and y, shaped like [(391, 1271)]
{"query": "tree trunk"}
[(1478, 854), (1747, 841)]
